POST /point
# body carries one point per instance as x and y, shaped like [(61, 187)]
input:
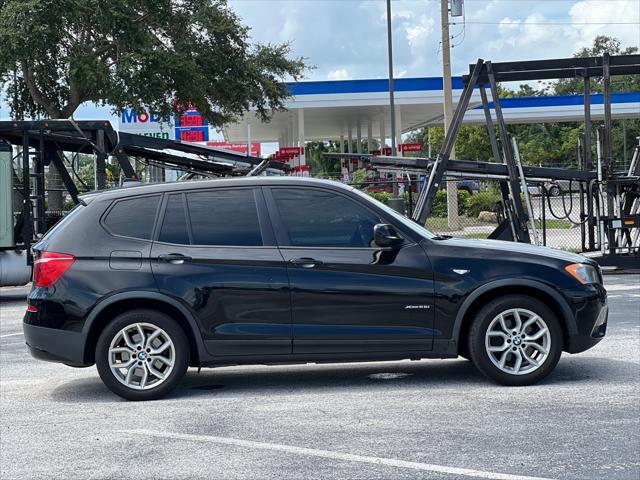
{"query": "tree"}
[(162, 55), (159, 54), (552, 144), (601, 44)]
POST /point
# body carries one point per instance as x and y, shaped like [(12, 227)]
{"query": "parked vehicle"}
[(559, 187), (470, 186), (147, 281)]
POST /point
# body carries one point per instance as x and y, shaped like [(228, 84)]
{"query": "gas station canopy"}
[(329, 110)]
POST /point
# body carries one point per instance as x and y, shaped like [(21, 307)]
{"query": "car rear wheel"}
[(515, 340), (555, 191), (142, 355)]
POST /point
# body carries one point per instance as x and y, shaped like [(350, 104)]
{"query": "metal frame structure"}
[(611, 222), (44, 142)]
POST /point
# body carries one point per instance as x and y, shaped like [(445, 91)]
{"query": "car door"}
[(347, 294), (215, 251)]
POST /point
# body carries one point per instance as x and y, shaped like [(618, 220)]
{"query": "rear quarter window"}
[(62, 222), (133, 217)]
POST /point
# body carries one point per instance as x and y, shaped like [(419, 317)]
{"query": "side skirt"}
[(442, 349)]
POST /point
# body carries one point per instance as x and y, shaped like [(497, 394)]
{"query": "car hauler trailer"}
[(35, 145), (609, 200)]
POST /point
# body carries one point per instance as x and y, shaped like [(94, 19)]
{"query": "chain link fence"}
[(556, 208)]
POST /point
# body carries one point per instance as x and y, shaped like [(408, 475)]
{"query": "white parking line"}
[(621, 287), (389, 462), (11, 335)]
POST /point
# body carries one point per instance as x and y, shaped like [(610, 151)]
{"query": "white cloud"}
[(523, 35), (590, 11), (340, 74), (418, 33)]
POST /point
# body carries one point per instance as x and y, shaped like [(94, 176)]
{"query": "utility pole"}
[(396, 202), (452, 187), (391, 99)]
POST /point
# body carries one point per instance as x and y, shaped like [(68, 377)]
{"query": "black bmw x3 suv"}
[(147, 281)]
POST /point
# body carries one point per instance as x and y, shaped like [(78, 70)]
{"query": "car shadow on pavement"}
[(292, 379), (13, 295)]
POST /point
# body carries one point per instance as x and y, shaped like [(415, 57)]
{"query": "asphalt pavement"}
[(435, 419)]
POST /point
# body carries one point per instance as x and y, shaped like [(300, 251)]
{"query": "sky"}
[(346, 39)]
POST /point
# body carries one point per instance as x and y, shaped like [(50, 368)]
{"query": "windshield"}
[(420, 230)]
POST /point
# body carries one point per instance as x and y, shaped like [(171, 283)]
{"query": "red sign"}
[(191, 121), (192, 136), (295, 151), (237, 147), (411, 147)]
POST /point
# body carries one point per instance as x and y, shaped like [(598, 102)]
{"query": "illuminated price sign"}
[(194, 135), (192, 127)]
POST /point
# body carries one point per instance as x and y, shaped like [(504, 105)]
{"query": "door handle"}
[(305, 262), (174, 258)]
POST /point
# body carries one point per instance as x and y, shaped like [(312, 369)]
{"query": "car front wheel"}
[(142, 355), (515, 340)]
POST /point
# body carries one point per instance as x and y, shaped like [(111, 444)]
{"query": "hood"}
[(515, 247)]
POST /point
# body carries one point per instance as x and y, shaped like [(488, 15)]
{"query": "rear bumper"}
[(54, 345)]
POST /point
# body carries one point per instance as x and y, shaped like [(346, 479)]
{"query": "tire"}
[(555, 191), (499, 316), (155, 374)]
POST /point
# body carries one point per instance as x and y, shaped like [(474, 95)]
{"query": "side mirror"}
[(386, 236)]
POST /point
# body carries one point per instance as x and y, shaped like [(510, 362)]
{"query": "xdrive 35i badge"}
[(411, 307)]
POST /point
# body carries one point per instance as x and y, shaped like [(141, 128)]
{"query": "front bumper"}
[(591, 319), (54, 345)]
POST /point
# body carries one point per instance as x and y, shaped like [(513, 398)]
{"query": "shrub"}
[(380, 196), (439, 208), (482, 202)]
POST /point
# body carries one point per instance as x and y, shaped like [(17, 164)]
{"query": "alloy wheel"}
[(141, 356), (518, 341)]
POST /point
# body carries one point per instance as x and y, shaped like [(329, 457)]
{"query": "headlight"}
[(584, 273)]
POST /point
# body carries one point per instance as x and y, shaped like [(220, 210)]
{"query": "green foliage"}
[(551, 144), (161, 55), (439, 208), (360, 175), (383, 197), (320, 166), (601, 44), (482, 202)]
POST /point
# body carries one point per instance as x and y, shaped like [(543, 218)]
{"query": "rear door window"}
[(226, 217), (133, 217), (174, 225)]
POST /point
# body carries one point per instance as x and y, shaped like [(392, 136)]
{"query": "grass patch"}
[(441, 224), (555, 223), (479, 236)]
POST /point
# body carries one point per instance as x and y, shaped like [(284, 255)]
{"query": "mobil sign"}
[(143, 122)]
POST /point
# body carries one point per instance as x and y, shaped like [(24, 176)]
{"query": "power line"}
[(524, 22)]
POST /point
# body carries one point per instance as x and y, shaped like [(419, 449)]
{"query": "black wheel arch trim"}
[(144, 295), (567, 314)]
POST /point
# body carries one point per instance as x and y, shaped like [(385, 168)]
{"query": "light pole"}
[(396, 202), (392, 107), (452, 187)]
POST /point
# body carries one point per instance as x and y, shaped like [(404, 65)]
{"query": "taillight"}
[(49, 267)]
